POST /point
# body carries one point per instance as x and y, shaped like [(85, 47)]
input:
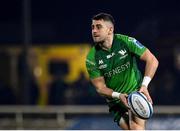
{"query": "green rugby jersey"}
[(117, 65)]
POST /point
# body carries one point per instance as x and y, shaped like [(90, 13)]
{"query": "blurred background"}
[(43, 46)]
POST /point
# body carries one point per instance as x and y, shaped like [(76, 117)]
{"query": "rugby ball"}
[(139, 105)]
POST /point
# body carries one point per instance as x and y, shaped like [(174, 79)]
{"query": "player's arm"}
[(150, 69), (151, 63), (103, 90)]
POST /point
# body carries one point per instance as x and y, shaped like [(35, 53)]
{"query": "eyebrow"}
[(96, 25)]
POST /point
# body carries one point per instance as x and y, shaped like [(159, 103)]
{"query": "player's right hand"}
[(123, 99)]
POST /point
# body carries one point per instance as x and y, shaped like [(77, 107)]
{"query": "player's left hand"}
[(145, 91)]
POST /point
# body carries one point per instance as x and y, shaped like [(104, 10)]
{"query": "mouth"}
[(95, 36)]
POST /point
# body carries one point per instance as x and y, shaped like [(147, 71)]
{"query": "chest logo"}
[(122, 52)]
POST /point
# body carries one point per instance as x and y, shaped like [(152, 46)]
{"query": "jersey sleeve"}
[(135, 46), (91, 65)]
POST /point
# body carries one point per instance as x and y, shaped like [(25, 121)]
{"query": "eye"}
[(99, 27)]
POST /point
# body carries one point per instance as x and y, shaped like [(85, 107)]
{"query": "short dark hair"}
[(105, 17)]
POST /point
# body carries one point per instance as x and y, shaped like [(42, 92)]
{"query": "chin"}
[(97, 41)]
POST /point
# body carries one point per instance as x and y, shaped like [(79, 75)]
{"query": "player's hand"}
[(123, 99), (145, 91)]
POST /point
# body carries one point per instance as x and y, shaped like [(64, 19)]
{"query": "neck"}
[(107, 44)]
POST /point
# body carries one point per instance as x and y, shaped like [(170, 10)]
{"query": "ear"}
[(111, 30)]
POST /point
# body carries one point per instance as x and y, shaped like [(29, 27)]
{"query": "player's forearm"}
[(105, 91), (151, 63), (101, 87), (151, 66)]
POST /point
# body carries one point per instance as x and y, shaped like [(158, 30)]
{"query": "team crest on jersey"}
[(122, 52)]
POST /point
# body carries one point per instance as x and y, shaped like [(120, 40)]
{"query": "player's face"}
[(100, 30)]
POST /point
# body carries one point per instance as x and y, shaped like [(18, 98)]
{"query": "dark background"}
[(69, 20), (156, 24)]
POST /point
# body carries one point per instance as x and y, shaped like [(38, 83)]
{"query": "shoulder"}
[(91, 52), (128, 40), (90, 58), (124, 38)]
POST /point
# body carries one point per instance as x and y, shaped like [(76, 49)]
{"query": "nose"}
[(94, 30)]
